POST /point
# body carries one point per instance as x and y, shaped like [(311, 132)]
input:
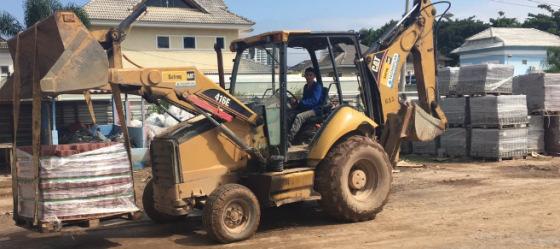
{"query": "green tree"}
[(453, 33), (504, 22), (369, 36), (9, 25), (38, 10), (549, 22), (553, 60)]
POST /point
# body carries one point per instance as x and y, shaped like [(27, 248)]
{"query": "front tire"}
[(354, 180), (232, 213), (149, 207)]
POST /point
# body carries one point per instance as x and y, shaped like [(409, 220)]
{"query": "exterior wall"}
[(523, 59), (6, 59), (140, 47)]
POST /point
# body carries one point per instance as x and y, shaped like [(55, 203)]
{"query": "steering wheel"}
[(291, 96)]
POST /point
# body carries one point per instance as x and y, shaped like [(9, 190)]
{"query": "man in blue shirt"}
[(310, 104)]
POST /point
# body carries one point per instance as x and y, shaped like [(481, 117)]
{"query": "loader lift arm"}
[(421, 121)]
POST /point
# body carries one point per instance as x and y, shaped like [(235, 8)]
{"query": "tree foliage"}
[(504, 22), (453, 33), (553, 60), (9, 25), (38, 10), (369, 36)]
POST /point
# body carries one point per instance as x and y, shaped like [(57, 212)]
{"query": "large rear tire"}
[(149, 207), (232, 213), (354, 180)]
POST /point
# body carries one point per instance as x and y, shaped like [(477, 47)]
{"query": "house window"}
[(4, 70), (189, 42), (524, 62), (221, 42), (163, 41)]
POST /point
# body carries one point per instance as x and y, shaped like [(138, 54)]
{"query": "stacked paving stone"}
[(543, 103), (425, 148), (542, 90), (499, 126), (454, 142), (76, 181), (535, 140), (498, 111), (447, 81), (485, 79)]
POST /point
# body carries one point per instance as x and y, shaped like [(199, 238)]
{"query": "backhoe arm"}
[(421, 121)]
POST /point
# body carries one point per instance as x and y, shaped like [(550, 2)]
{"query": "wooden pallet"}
[(457, 126), (81, 221), (545, 113), (499, 159), (498, 126), (489, 94)]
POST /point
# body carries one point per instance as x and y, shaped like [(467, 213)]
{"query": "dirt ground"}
[(510, 204)]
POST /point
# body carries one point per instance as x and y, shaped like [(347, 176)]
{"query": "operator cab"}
[(268, 75)]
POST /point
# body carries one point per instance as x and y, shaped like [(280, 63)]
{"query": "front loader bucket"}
[(61, 54), (423, 126)]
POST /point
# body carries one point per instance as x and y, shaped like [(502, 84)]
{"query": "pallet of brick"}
[(454, 142), (498, 111), (498, 144), (89, 181), (535, 140), (542, 90), (447, 81), (424, 148), (406, 147), (485, 79), (455, 110)]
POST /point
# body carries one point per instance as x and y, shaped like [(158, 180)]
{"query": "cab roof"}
[(296, 38)]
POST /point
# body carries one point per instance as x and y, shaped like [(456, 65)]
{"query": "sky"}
[(342, 15)]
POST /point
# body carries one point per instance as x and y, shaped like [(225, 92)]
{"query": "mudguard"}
[(342, 121)]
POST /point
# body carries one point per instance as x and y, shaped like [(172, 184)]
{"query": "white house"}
[(525, 48)]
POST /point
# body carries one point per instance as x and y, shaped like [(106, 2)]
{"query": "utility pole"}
[(402, 84)]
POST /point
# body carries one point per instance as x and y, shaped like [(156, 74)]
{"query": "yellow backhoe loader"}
[(219, 161)]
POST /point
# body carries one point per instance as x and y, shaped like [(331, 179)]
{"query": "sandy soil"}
[(510, 204)]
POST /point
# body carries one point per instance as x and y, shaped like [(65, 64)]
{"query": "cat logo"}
[(375, 64)]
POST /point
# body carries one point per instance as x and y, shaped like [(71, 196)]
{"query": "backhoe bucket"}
[(423, 126), (61, 54)]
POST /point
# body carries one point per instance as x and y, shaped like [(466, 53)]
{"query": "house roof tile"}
[(508, 37), (210, 12)]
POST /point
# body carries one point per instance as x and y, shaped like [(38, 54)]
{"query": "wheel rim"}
[(363, 180), (236, 216)]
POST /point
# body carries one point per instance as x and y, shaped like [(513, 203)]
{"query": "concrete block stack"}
[(542, 90), (485, 79), (498, 144), (498, 111), (543, 102), (425, 148), (535, 139), (447, 81), (454, 142), (499, 126)]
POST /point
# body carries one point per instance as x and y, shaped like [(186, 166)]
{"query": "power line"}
[(541, 2), (514, 4)]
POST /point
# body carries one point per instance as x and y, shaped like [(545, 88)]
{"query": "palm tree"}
[(37, 10), (9, 25)]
